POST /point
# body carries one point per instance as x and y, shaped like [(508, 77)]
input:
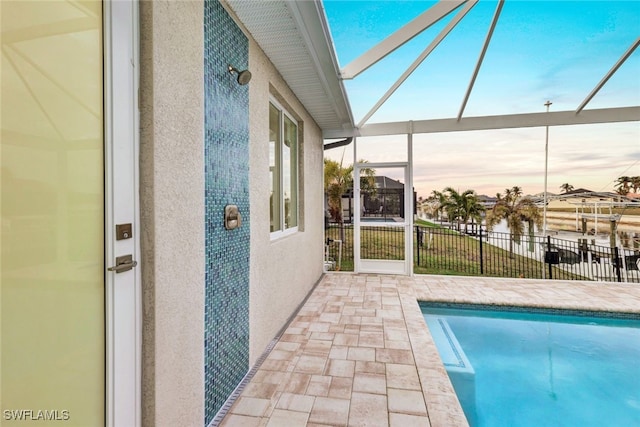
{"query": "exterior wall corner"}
[(172, 212)]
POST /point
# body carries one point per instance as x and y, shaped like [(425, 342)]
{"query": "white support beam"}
[(436, 41), (560, 118), (604, 80), (400, 37), (487, 40)]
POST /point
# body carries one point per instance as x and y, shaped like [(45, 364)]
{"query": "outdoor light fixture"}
[(244, 77)]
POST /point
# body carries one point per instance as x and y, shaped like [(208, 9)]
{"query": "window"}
[(283, 170)]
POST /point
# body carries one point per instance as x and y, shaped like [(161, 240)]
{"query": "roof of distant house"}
[(584, 195), (577, 191), (386, 182)]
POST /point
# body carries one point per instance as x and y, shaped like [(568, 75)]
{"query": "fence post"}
[(616, 263), (418, 242), (549, 251), (481, 261)]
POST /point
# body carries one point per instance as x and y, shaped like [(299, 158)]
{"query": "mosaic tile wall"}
[(226, 182)]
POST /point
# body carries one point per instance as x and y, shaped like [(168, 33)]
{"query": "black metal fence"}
[(445, 251), (500, 255), (382, 243)]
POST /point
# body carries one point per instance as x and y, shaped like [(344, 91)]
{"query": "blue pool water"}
[(541, 369), (378, 219)]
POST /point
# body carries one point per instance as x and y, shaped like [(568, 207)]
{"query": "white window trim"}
[(275, 235)]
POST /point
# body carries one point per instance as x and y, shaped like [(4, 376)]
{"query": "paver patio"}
[(358, 352)]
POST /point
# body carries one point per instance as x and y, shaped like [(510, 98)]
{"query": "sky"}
[(540, 51)]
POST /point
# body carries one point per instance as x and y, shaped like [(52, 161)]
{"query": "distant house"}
[(487, 202), (588, 209), (583, 197), (387, 200)]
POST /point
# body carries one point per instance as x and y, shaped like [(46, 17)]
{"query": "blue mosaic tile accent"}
[(226, 153)]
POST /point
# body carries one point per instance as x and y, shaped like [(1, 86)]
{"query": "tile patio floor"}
[(359, 354)]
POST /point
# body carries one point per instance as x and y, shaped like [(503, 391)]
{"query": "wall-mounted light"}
[(244, 76)]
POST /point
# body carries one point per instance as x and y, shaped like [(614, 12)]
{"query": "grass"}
[(460, 255), (457, 259), (376, 243), (448, 253)]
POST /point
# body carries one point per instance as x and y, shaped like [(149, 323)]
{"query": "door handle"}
[(123, 263)]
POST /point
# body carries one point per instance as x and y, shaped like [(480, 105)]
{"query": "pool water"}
[(545, 369)]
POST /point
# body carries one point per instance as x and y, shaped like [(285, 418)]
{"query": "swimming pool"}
[(380, 219), (542, 368)]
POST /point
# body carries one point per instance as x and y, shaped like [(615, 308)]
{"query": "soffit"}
[(295, 37)]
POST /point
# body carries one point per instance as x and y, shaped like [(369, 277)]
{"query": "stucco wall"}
[(282, 271), (172, 212)]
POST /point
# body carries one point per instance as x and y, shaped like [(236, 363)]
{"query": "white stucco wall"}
[(172, 212), (282, 271)]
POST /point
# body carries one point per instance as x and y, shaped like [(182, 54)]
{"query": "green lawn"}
[(447, 253), (375, 244)]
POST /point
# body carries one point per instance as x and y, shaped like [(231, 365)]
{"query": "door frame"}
[(385, 266), (123, 294)]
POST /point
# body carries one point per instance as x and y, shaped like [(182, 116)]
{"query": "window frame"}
[(279, 153)]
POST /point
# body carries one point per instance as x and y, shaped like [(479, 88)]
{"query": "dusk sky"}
[(540, 51)]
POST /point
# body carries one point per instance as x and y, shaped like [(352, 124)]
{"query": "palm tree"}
[(515, 209), (451, 205), (368, 181), (473, 210), (566, 187), (441, 199), (463, 206), (623, 184), (635, 183), (337, 180)]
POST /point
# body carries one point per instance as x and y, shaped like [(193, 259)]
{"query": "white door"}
[(383, 218), (70, 349), (123, 280)]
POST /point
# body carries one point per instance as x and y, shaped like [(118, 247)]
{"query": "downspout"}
[(337, 144)]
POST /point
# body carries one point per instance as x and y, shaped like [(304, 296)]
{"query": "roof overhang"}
[(295, 37)]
